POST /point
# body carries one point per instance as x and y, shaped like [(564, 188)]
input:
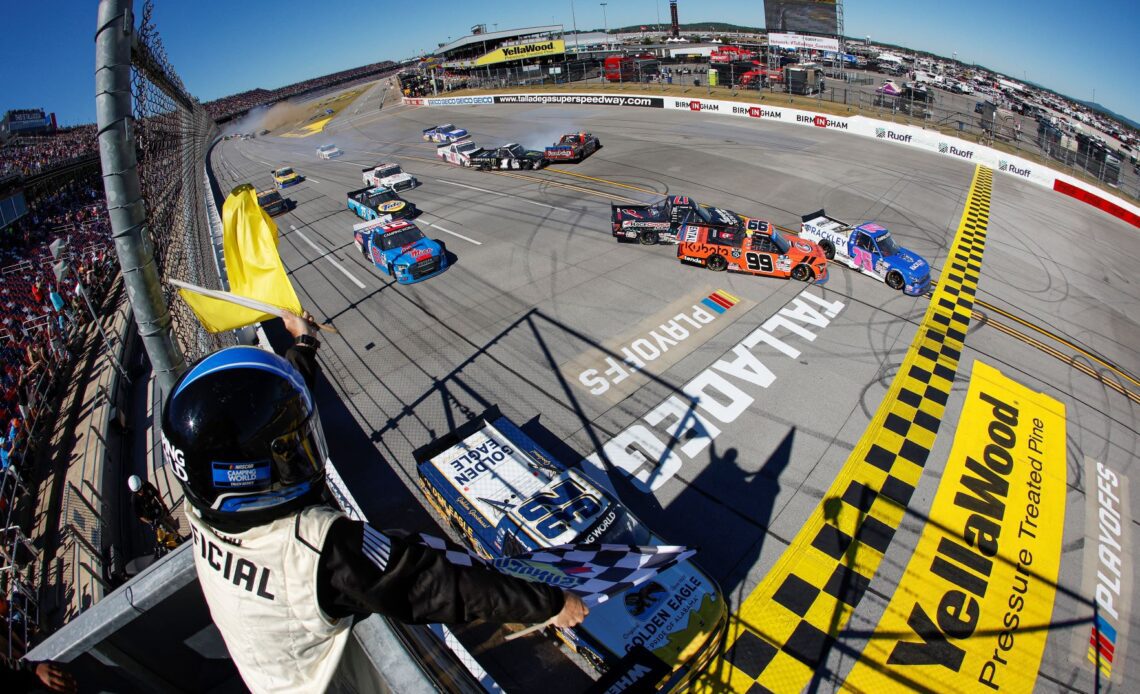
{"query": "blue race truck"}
[(870, 249)]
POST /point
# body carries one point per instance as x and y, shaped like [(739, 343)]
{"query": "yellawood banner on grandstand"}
[(973, 608), (534, 49)]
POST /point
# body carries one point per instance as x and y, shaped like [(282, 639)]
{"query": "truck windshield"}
[(781, 242), (400, 238), (624, 529), (465, 147), (887, 245), (516, 151)]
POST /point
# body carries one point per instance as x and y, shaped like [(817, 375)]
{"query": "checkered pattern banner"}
[(594, 572), (781, 637), (453, 553)]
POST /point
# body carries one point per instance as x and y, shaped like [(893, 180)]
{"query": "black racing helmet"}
[(240, 430)]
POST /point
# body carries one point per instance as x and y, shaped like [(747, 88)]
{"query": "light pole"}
[(605, 22), (574, 19)]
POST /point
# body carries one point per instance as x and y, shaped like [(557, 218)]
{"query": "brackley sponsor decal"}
[(1107, 580), (587, 99), (892, 135), (757, 112), (821, 122), (652, 450), (969, 613), (1010, 167), (951, 149)]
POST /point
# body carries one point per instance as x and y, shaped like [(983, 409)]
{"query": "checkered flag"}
[(593, 572), (454, 554)]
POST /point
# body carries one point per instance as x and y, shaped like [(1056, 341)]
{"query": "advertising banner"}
[(811, 43), (973, 608), (812, 16), (535, 49), (582, 99), (912, 136)]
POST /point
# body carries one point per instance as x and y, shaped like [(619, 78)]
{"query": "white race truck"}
[(389, 175), (458, 153)]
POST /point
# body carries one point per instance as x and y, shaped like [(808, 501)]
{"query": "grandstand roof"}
[(503, 35)]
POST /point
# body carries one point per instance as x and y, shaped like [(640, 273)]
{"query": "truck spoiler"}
[(814, 215), (431, 450), (358, 191)]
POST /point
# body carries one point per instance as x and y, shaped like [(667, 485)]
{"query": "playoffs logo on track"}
[(1108, 569)]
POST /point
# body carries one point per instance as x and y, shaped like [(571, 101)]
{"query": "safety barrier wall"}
[(892, 133)]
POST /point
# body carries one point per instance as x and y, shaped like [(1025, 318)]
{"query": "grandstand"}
[(74, 378)]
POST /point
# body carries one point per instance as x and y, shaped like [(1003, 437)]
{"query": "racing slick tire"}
[(894, 279), (802, 273), (828, 249), (717, 263), (648, 238)]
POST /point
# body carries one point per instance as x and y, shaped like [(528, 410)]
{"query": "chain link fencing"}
[(174, 134)]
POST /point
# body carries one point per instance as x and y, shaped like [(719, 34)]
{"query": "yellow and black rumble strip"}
[(785, 629)]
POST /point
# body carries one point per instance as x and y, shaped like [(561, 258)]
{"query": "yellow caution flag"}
[(255, 271)]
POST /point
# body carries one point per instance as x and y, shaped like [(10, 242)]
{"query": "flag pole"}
[(242, 301), (529, 630)]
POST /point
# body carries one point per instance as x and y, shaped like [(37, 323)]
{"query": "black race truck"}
[(662, 221), (512, 156)]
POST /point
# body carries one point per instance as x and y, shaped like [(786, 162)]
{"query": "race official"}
[(283, 572)]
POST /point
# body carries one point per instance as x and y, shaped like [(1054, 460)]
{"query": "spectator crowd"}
[(237, 104), (40, 318), (28, 155)]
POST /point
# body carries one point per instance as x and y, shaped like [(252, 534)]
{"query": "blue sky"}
[(221, 47)]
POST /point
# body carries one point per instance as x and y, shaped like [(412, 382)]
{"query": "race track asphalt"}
[(540, 293)]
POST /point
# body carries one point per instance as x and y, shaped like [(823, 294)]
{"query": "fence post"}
[(125, 204)]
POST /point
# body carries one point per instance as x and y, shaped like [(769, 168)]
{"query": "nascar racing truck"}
[(512, 156), (870, 249), (505, 495), (661, 221), (572, 147), (374, 203)]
